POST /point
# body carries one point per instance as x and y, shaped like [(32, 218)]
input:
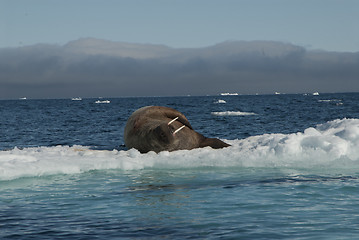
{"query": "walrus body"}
[(155, 128)]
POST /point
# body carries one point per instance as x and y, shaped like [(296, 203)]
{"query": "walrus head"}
[(164, 134)]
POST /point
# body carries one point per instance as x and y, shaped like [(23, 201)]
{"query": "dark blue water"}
[(66, 174), (64, 122)]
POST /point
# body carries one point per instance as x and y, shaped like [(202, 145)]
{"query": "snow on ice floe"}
[(332, 146), (233, 113)]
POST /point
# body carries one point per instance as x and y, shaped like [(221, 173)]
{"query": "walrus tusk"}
[(169, 123), (178, 129)]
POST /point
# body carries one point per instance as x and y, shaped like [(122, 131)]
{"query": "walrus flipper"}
[(181, 118), (185, 122), (213, 143)]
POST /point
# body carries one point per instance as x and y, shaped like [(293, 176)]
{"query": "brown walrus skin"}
[(155, 128)]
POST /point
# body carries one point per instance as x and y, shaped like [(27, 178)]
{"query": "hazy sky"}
[(315, 24)]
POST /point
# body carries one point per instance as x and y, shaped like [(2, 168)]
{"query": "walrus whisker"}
[(170, 122), (178, 129)]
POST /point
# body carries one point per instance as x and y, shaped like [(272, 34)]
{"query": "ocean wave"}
[(233, 113), (329, 100), (332, 145), (337, 102)]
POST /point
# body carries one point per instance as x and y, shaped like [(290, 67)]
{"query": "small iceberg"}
[(23, 98), (104, 101), (76, 99), (315, 94), (220, 101)]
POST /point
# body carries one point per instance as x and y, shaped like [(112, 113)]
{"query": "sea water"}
[(292, 171)]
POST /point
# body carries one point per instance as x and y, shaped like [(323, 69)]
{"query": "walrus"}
[(156, 128)]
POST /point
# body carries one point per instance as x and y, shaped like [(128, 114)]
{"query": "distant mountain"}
[(92, 46)]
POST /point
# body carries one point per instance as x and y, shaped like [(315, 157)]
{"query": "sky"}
[(314, 24)]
